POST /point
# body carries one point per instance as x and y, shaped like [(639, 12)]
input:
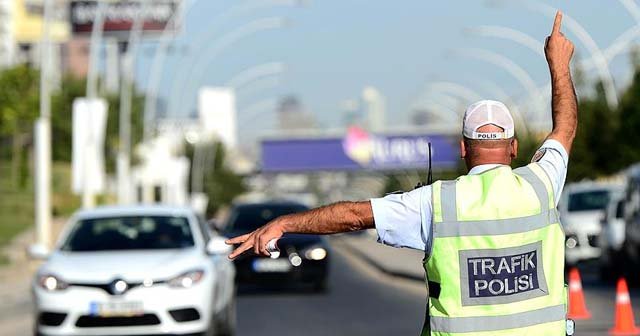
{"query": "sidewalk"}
[(15, 282), (401, 262)]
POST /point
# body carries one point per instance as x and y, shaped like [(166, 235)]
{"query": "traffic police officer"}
[(493, 242)]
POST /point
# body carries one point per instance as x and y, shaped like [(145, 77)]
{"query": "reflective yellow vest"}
[(497, 261)]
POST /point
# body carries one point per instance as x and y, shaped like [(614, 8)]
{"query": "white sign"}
[(89, 128), (217, 110)]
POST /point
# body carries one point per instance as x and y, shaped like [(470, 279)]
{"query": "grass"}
[(16, 203)]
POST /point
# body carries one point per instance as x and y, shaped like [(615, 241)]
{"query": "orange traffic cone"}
[(625, 323), (577, 306)]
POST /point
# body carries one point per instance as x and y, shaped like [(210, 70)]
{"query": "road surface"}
[(361, 301)]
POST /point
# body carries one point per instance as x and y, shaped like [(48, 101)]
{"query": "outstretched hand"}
[(257, 240), (558, 49)]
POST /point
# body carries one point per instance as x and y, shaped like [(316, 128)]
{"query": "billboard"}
[(359, 150), (120, 16)]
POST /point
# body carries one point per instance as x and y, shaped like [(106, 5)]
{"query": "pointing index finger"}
[(557, 23), (239, 239)]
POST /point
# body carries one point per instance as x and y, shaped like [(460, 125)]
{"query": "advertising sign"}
[(89, 127), (359, 150), (119, 16)]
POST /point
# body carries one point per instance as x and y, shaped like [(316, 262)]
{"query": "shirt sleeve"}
[(553, 159), (404, 220)]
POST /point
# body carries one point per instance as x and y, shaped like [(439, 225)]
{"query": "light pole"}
[(512, 68), (151, 94), (43, 136), (587, 41), (126, 88), (181, 88), (254, 73)]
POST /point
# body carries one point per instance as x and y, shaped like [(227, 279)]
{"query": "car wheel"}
[(227, 324)]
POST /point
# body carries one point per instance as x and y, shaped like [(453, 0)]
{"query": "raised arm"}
[(334, 218), (564, 105)]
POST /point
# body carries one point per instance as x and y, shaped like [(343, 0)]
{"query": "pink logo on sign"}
[(358, 145)]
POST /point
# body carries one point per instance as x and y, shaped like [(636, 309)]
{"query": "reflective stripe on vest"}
[(493, 323), (508, 272)]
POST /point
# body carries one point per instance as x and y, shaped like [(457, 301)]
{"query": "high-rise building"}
[(292, 115), (351, 114), (420, 117), (373, 103)]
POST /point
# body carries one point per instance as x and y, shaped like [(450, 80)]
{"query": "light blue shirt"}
[(404, 220)]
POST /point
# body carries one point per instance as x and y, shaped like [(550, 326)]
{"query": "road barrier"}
[(624, 321), (577, 305)]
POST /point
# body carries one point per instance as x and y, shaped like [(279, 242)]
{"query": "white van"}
[(582, 207)]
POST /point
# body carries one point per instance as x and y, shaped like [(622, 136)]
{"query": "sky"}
[(332, 49)]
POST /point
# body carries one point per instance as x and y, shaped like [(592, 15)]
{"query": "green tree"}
[(628, 134), (221, 184), (19, 106), (61, 116), (62, 112)]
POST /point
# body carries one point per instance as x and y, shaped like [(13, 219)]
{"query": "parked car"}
[(612, 238), (581, 209), (135, 270), (631, 246), (304, 259)]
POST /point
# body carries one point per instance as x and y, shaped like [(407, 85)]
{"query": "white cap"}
[(486, 112)]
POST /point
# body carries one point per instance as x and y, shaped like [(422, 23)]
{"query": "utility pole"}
[(126, 88), (43, 137), (88, 199)]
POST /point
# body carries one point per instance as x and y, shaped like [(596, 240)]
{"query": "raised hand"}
[(558, 49)]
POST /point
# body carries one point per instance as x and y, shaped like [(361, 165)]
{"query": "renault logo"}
[(118, 287)]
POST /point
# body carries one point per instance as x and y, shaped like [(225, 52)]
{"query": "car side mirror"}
[(38, 251), (215, 224), (217, 246)]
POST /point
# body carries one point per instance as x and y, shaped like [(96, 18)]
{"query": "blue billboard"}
[(359, 150)]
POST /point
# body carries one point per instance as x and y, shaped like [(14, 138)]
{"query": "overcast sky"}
[(334, 48)]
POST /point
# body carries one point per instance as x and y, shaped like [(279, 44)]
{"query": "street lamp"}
[(254, 73), (209, 54), (587, 41), (511, 67), (151, 94), (126, 88), (43, 136)]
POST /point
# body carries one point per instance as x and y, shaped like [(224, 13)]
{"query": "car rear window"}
[(129, 233), (247, 218), (588, 200)]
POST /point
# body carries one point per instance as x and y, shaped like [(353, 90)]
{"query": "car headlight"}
[(315, 253), (186, 279), (51, 282)]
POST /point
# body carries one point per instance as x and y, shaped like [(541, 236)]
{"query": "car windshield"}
[(129, 233), (588, 200), (247, 218)]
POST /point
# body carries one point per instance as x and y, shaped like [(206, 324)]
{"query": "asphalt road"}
[(364, 301), (360, 301)]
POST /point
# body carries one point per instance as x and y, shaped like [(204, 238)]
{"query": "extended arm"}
[(564, 104), (334, 218)]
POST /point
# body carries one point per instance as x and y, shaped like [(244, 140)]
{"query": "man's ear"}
[(463, 149), (514, 148)]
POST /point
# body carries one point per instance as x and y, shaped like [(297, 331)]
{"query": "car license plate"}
[(271, 265), (116, 308)]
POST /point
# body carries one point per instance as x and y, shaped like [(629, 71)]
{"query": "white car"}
[(139, 270), (581, 208)]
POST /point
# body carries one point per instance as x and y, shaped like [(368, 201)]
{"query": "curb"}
[(371, 261)]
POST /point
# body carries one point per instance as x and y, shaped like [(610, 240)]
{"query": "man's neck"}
[(478, 169)]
